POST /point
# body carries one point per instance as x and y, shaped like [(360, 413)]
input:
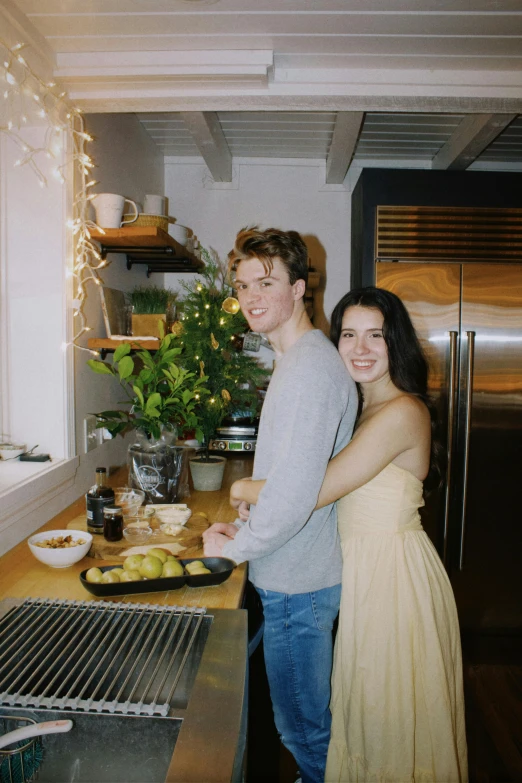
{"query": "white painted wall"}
[(284, 194), (35, 316), (129, 163)]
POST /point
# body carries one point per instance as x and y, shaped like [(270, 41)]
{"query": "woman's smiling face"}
[(362, 346)]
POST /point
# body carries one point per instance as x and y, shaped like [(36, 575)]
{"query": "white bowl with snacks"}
[(60, 548)]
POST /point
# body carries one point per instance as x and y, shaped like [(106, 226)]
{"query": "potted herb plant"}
[(210, 337), (162, 397), (150, 304)]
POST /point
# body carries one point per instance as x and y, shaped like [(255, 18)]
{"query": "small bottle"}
[(99, 496), (112, 523)]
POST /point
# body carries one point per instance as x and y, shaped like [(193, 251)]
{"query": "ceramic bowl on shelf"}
[(11, 451), (60, 556), (130, 499)]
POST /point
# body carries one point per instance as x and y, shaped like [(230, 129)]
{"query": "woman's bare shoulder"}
[(406, 409)]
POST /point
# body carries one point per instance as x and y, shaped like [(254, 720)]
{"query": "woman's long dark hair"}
[(408, 366)]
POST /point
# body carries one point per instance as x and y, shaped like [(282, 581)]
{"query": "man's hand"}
[(214, 543), (224, 528)]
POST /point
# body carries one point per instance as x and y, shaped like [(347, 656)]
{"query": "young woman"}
[(397, 697)]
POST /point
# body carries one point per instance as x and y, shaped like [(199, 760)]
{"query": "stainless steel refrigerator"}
[(469, 319)]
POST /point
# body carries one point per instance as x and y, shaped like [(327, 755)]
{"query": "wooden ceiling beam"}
[(344, 140), (470, 139), (210, 141)]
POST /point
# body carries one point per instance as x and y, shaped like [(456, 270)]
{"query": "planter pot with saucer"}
[(207, 476)]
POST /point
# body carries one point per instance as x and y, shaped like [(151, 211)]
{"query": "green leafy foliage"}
[(210, 343), (151, 299), (159, 391)]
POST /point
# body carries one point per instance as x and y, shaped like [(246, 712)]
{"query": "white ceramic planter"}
[(207, 476)]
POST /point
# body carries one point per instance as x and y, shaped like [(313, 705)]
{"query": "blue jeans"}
[(298, 656)]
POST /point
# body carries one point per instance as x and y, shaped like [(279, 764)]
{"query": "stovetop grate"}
[(99, 656)]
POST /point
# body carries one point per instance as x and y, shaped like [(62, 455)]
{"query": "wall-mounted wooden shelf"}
[(105, 345), (147, 245)]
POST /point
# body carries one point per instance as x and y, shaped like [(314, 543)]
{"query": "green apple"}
[(172, 568), (151, 567), (109, 577), (196, 571), (170, 558), (133, 562), (159, 553), (118, 571), (130, 576), (94, 575)]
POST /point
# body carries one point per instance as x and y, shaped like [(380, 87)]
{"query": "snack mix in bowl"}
[(60, 548)]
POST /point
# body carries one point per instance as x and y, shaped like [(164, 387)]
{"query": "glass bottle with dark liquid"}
[(99, 496)]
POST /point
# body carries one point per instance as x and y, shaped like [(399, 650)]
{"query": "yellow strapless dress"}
[(397, 695)]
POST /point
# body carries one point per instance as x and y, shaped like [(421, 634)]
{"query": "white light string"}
[(28, 98)]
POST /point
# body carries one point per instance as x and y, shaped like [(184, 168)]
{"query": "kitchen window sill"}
[(25, 488)]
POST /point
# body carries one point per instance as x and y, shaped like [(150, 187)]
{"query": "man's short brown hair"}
[(266, 245)]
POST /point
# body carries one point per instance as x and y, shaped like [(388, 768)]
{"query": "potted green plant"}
[(210, 337), (162, 398), (150, 304)]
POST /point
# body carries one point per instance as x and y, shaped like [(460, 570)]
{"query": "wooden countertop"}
[(21, 575)]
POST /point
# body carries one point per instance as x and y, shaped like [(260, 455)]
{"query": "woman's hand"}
[(243, 493), (237, 501)]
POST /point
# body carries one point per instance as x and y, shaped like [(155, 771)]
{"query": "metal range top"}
[(235, 437)]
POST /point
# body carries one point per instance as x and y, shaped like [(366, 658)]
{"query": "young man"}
[(293, 551)]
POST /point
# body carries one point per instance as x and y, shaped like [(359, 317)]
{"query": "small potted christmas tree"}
[(209, 333)]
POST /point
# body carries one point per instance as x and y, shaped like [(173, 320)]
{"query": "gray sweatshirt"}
[(308, 416)]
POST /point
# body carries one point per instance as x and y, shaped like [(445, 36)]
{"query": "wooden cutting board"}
[(186, 543)]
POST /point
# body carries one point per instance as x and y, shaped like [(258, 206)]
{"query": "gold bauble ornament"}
[(226, 395), (230, 305), (214, 343), (177, 328)]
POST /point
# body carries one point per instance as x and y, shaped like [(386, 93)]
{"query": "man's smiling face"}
[(267, 299)]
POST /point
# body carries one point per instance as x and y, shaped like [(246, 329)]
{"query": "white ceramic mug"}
[(155, 205), (109, 210)]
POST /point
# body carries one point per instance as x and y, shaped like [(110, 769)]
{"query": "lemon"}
[(130, 576), (172, 568), (151, 567), (159, 553), (109, 577), (133, 562)]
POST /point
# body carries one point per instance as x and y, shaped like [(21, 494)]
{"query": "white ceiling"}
[(343, 80)]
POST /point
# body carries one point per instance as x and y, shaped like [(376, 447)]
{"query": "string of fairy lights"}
[(28, 100)]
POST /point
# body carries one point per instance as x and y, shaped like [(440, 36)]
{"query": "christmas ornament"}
[(230, 305)]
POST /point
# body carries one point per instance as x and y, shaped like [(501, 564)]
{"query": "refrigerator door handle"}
[(467, 430), (452, 390)]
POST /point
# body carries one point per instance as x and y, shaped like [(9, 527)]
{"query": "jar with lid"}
[(112, 523)]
